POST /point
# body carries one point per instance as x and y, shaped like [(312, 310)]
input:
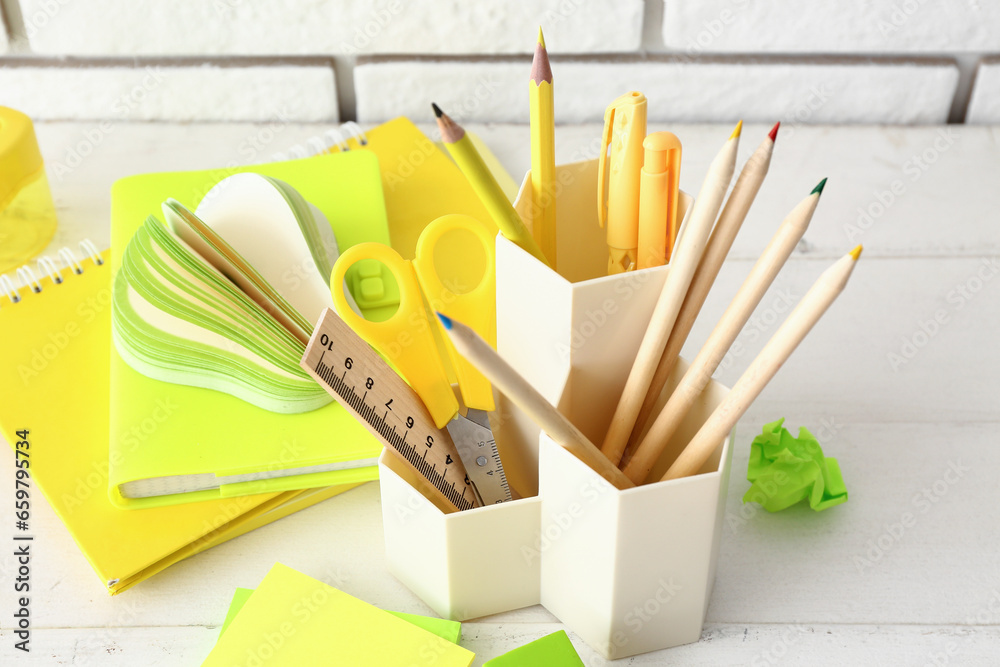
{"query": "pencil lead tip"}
[(736, 132), (818, 190), (446, 321), (437, 110), (857, 252), (774, 131), (541, 37)]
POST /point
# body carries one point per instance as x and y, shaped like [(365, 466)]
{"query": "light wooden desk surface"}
[(915, 433)]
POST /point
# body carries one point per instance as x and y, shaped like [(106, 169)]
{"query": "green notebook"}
[(172, 443)]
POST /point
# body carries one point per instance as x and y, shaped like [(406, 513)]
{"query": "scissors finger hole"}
[(460, 260)]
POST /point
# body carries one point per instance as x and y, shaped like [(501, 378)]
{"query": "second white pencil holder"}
[(630, 571)]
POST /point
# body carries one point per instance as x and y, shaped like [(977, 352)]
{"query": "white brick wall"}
[(844, 26), (903, 93), (908, 61), (984, 107), (126, 27), (171, 93)]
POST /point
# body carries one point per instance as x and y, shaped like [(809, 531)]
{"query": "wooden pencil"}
[(682, 266), (489, 192), (510, 383), (729, 223), (705, 363), (788, 336), (543, 152)]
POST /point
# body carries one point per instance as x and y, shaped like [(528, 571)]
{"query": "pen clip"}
[(602, 176)]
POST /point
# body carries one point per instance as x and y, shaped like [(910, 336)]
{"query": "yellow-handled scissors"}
[(453, 272)]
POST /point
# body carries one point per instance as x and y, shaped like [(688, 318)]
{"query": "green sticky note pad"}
[(555, 650), (785, 470)]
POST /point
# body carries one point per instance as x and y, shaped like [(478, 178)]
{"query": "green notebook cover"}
[(160, 429)]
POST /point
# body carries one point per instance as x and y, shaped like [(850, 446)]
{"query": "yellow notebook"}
[(213, 437), (54, 383), (292, 619)]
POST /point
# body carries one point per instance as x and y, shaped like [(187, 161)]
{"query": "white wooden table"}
[(846, 586)]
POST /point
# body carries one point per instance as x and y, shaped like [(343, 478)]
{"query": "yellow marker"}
[(658, 187), (618, 178), (543, 157)]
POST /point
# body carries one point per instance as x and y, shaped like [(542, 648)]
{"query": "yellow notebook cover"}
[(419, 180), (209, 432), (54, 383), (292, 619)]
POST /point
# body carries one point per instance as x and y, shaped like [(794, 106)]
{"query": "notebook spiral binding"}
[(27, 277), (334, 138)]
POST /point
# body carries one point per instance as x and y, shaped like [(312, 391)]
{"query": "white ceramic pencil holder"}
[(627, 571), (461, 564)]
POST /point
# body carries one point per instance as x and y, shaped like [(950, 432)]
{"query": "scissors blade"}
[(478, 451)]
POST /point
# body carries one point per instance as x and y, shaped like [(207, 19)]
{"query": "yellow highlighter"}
[(618, 178), (658, 187)]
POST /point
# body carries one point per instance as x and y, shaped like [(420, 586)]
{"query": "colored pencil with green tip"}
[(788, 336), (699, 373)]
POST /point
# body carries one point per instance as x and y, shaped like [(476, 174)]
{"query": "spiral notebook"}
[(56, 330)]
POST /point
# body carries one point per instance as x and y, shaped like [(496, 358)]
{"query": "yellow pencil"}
[(543, 152), (471, 163)]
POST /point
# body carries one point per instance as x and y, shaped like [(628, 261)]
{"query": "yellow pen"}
[(618, 178), (661, 170)]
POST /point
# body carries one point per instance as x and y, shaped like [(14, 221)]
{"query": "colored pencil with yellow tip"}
[(726, 227), (489, 192), (683, 263), (788, 336), (699, 373), (543, 152)]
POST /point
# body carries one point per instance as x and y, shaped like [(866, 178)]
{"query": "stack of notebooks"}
[(195, 424)]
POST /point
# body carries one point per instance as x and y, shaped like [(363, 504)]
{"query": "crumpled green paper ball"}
[(785, 470)]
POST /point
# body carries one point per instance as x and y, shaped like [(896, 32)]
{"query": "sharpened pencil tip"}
[(774, 131), (437, 110), (541, 37), (857, 252), (736, 132), (818, 190), (446, 321)]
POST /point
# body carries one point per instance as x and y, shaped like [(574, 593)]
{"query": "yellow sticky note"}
[(293, 619)]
